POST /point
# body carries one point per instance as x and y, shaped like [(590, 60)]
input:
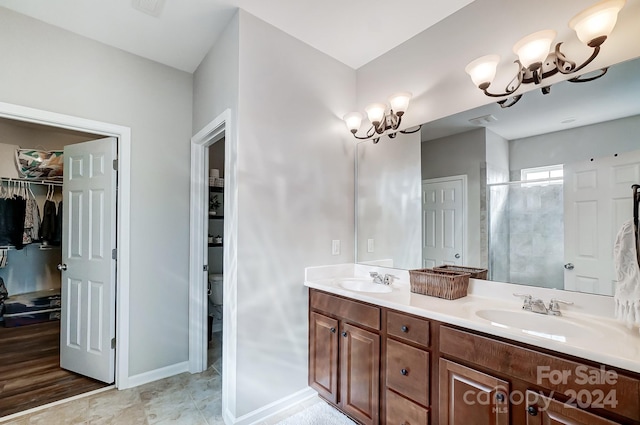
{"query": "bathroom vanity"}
[(404, 358)]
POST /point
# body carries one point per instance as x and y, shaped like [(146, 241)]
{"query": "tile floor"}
[(183, 399)]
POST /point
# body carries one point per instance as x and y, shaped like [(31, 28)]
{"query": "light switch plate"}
[(335, 247), (369, 245)]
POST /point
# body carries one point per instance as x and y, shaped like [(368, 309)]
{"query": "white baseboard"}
[(157, 374), (272, 409)]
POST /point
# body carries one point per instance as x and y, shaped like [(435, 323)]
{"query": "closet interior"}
[(30, 281)]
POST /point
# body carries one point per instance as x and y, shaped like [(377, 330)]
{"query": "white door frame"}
[(465, 210), (53, 119), (215, 130)]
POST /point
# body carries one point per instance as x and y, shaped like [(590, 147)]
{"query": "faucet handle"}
[(373, 274), (554, 306), (556, 301), (389, 278), (528, 299)]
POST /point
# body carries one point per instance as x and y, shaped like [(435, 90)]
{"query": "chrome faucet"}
[(387, 279), (536, 305)]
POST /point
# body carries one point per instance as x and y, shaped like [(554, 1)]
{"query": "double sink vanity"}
[(384, 355)]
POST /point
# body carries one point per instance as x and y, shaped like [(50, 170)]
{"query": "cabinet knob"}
[(532, 410), (404, 328), (500, 397), (333, 330), (344, 334), (404, 372)]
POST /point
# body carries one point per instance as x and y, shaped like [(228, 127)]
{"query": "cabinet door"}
[(468, 396), (542, 410), (360, 374), (323, 356)]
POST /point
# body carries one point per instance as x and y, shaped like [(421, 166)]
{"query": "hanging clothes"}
[(48, 227), (31, 222), (17, 209), (4, 222), (57, 240)]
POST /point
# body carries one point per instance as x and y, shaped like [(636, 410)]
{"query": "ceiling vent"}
[(483, 120), (150, 7)]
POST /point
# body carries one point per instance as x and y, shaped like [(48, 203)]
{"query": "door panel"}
[(89, 272), (468, 396), (542, 410), (323, 356), (443, 222), (597, 200), (360, 374)]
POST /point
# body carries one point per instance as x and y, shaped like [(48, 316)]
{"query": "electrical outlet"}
[(335, 247), (369, 245)]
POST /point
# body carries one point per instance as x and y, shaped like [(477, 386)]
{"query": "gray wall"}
[(562, 147), (295, 190), (55, 70), (390, 200)]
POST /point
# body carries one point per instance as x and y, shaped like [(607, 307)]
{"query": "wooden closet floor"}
[(30, 373)]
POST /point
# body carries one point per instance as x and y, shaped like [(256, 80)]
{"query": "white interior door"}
[(443, 227), (598, 199), (88, 269)]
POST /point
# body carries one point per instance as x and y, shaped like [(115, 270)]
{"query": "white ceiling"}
[(353, 31)]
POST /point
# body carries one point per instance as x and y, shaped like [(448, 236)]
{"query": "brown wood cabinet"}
[(542, 410), (344, 356), (383, 366), (468, 396)]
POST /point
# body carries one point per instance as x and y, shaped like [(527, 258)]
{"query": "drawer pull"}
[(500, 397), (404, 372), (333, 330), (404, 328), (344, 334), (532, 410)]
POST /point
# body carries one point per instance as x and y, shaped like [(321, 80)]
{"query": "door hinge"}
[(114, 254), (205, 268), (113, 343), (115, 165)]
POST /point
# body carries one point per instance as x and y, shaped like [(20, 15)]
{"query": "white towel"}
[(627, 296)]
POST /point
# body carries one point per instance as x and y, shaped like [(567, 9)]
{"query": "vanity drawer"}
[(352, 311), (402, 411), (408, 328), (407, 371)]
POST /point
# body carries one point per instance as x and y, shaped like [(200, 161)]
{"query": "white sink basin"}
[(363, 285), (556, 328)]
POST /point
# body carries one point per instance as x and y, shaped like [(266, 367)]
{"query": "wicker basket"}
[(476, 273), (446, 284)]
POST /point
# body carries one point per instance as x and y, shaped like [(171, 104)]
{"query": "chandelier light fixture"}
[(384, 119), (592, 26)]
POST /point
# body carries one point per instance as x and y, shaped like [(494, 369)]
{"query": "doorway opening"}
[(33, 343), (220, 130)]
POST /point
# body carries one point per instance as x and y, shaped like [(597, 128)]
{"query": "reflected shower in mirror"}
[(535, 193)]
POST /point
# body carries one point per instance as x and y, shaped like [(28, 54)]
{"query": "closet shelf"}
[(216, 189), (41, 246), (216, 217), (212, 245)]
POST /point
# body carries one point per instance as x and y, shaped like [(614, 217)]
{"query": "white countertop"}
[(605, 340)]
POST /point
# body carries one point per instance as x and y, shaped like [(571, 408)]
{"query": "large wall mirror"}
[(535, 193)]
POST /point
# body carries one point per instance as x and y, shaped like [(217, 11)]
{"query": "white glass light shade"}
[(353, 121), (597, 20), (483, 70), (534, 48), (375, 112), (400, 102)]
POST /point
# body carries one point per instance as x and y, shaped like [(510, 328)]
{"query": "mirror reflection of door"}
[(598, 200), (443, 211)]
